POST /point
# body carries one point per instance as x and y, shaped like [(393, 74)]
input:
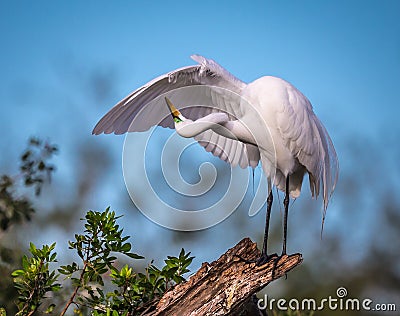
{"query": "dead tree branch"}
[(226, 286)]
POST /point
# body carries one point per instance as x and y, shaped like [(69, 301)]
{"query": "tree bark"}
[(227, 286)]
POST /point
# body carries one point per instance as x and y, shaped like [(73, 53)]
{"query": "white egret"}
[(270, 121)]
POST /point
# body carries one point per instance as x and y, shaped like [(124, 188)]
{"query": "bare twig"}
[(72, 297)]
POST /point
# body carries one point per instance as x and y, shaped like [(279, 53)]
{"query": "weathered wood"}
[(227, 285)]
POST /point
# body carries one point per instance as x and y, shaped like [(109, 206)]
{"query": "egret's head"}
[(176, 115)]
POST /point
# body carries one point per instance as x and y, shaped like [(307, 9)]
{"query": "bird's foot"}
[(263, 259)]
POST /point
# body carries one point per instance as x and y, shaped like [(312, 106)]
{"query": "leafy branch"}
[(35, 279), (137, 292), (34, 171), (97, 248), (133, 292), (102, 236), (34, 167)]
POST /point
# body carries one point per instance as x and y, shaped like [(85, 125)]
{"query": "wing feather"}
[(118, 120), (232, 151), (145, 107), (310, 143)]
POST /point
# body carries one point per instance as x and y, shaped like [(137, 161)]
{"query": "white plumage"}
[(270, 120)]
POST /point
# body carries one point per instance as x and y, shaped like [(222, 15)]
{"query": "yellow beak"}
[(174, 111)]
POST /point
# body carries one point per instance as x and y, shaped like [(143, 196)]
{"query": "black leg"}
[(269, 207), (285, 216), (264, 258)]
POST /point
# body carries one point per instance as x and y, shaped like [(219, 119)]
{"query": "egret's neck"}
[(219, 123), (240, 131)]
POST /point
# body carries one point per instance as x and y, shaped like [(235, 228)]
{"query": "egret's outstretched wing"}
[(216, 90), (121, 118), (309, 141)]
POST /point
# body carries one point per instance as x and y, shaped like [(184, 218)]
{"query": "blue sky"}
[(343, 55)]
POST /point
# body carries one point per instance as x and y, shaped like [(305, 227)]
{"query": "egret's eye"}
[(177, 119)]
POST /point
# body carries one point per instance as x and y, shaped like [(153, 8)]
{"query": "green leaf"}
[(17, 273), (134, 255), (32, 248), (125, 247)]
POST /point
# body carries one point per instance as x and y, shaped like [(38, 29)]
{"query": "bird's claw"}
[(263, 259)]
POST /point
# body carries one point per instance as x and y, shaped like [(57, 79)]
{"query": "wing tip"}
[(201, 60), (198, 58), (98, 129), (101, 131)]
